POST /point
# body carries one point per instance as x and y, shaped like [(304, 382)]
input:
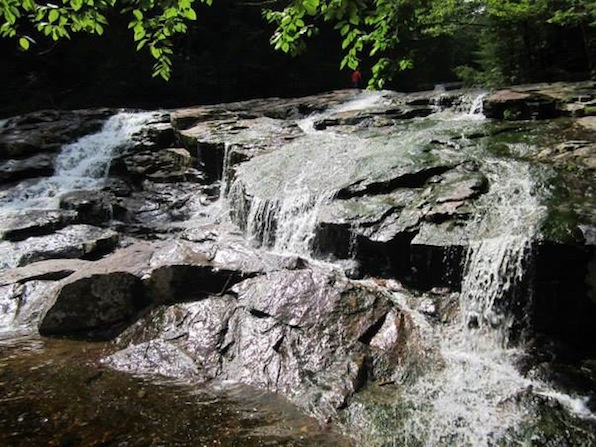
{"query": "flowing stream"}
[(81, 165), (475, 398)]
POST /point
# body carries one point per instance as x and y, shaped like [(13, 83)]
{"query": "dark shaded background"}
[(226, 56)]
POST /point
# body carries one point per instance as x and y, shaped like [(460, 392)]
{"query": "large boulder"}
[(309, 334)]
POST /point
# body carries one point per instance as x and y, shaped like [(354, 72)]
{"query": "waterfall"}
[(476, 108), (83, 164), (469, 401), (286, 225), (475, 399), (225, 172), (286, 222)]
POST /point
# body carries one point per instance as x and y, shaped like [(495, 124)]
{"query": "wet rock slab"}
[(75, 241), (19, 225), (309, 334), (39, 165)]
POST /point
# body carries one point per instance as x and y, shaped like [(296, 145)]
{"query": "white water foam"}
[(80, 165), (364, 101), (310, 170), (472, 401)]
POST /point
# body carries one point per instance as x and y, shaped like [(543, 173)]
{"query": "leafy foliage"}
[(369, 28), (375, 31), (153, 22)]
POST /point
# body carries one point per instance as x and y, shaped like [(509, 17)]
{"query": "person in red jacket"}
[(356, 78)]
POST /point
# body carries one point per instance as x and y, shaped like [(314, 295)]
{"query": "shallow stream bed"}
[(55, 393)]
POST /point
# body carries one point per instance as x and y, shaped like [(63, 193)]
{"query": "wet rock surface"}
[(151, 259), (74, 241), (19, 225), (316, 337), (47, 130)]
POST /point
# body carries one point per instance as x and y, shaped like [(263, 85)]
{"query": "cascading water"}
[(83, 164), (469, 401), (292, 184), (472, 394), (286, 222), (474, 399)]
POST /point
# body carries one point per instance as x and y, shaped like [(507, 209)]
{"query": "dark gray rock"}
[(39, 165), (96, 305), (164, 165), (47, 130), (19, 225), (74, 241), (91, 207)]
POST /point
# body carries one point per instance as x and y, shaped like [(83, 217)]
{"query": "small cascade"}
[(494, 268), (364, 101), (468, 107), (225, 172), (284, 225), (286, 222), (83, 164), (471, 401), (476, 108)]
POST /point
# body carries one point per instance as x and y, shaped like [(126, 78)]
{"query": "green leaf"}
[(10, 17), (405, 64), (53, 16), (191, 14), (24, 43), (155, 52), (139, 31), (311, 6), (138, 14)]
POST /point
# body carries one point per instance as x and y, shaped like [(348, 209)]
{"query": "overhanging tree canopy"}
[(371, 30)]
